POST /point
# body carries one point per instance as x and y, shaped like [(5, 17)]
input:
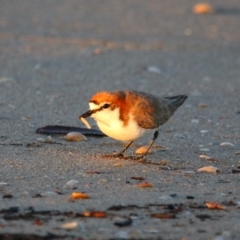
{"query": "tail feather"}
[(176, 101)]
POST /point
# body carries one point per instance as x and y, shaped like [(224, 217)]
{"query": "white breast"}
[(109, 123)]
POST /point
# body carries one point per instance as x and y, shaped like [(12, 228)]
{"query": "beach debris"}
[(48, 139), (143, 149), (202, 105), (75, 137), (208, 158), (154, 69), (58, 129), (194, 120), (72, 184), (95, 214), (138, 178), (145, 185), (163, 215), (7, 195), (235, 170), (69, 225), (203, 8), (40, 139), (226, 144), (215, 205), (209, 169), (122, 222), (3, 184), (78, 196)]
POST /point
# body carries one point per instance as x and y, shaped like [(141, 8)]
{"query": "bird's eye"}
[(106, 105)]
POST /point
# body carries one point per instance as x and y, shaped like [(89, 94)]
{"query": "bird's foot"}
[(120, 155), (141, 158), (114, 155), (135, 158)]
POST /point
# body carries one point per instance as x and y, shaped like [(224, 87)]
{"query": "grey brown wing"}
[(152, 117)]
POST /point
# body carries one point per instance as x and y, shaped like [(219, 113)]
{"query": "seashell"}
[(69, 225), (40, 139), (3, 183), (143, 149), (24, 194), (209, 169), (48, 139), (72, 184), (154, 69), (206, 157), (75, 137), (227, 144)]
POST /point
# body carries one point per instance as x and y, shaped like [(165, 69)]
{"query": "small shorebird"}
[(128, 115)]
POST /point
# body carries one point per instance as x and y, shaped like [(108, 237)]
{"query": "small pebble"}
[(189, 197), (202, 105), (204, 131), (75, 137), (154, 69), (8, 195), (122, 222), (48, 139), (40, 139), (227, 144), (194, 121), (209, 169), (72, 184), (25, 194), (3, 184), (143, 150)]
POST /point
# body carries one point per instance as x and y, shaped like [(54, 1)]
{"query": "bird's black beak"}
[(86, 114)]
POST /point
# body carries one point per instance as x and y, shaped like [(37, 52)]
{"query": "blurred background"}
[(55, 54)]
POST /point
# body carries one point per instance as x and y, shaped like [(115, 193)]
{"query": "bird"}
[(126, 115)]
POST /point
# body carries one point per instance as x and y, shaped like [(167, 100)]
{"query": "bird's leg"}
[(155, 136), (120, 154)]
